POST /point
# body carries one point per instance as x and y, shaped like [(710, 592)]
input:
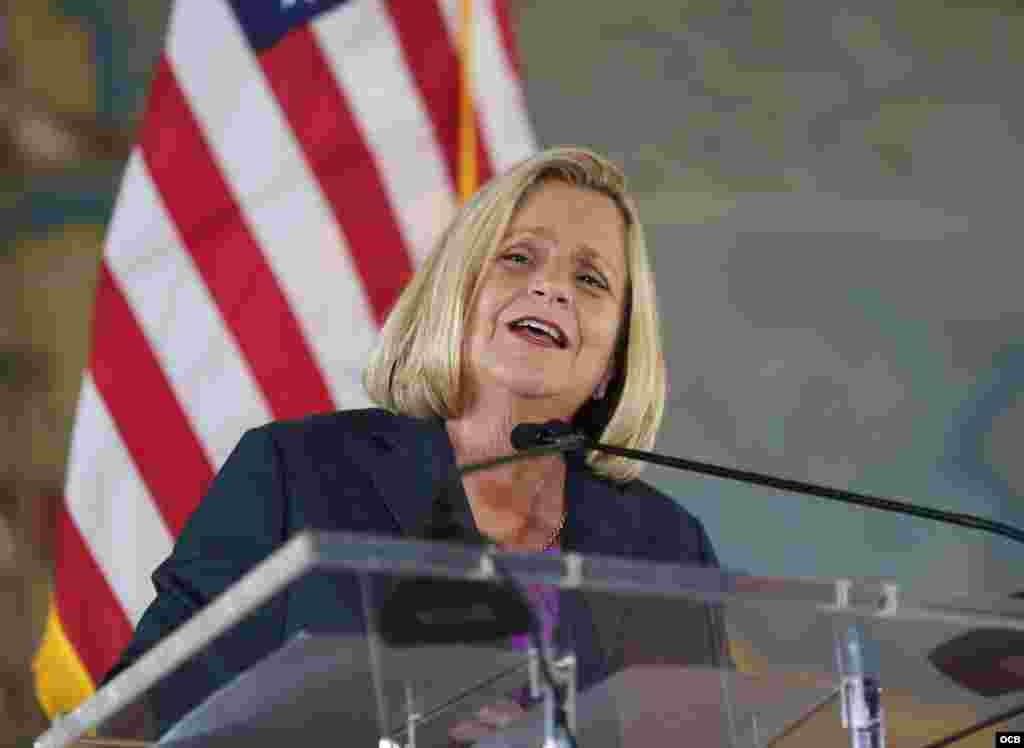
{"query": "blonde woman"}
[(537, 303)]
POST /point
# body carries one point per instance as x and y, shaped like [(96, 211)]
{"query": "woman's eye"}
[(518, 258), (593, 280)]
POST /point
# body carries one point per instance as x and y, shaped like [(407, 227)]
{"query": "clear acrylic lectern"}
[(638, 650)]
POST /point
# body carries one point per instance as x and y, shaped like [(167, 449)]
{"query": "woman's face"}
[(550, 301)]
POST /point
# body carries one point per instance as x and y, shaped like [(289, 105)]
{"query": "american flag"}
[(295, 163)]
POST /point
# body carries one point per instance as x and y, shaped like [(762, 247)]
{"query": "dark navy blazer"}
[(375, 472)]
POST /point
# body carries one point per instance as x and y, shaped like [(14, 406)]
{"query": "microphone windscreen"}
[(529, 435), (525, 435)]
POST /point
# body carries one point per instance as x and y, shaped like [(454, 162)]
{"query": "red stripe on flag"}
[(93, 621), (214, 230), (333, 144), (153, 426), (434, 64), (508, 37)]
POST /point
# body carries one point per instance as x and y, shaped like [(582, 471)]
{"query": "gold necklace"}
[(558, 531)]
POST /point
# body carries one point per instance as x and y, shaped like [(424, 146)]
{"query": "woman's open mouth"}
[(539, 332)]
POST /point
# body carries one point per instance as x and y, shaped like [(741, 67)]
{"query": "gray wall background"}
[(832, 195)]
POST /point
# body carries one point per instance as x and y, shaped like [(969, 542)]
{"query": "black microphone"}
[(554, 433)]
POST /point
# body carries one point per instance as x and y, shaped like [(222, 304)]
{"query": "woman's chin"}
[(530, 385), (540, 394)]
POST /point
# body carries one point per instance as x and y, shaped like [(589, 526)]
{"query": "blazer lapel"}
[(413, 459), (598, 522)]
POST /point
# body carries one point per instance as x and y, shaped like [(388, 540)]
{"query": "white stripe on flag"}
[(321, 287), (110, 506), (278, 194), (365, 56), (496, 87), (181, 323), (218, 74)]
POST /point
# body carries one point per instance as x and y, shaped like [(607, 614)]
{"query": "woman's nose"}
[(555, 291), (552, 286)]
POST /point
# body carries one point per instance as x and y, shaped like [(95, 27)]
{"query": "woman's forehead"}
[(558, 199), (588, 220)]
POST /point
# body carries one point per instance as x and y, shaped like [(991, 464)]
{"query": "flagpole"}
[(467, 119)]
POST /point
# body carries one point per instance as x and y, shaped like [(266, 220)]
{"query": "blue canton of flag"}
[(266, 23)]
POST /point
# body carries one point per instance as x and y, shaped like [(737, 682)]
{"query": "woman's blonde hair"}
[(417, 368)]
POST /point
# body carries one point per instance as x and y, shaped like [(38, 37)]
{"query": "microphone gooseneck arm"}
[(814, 489)]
